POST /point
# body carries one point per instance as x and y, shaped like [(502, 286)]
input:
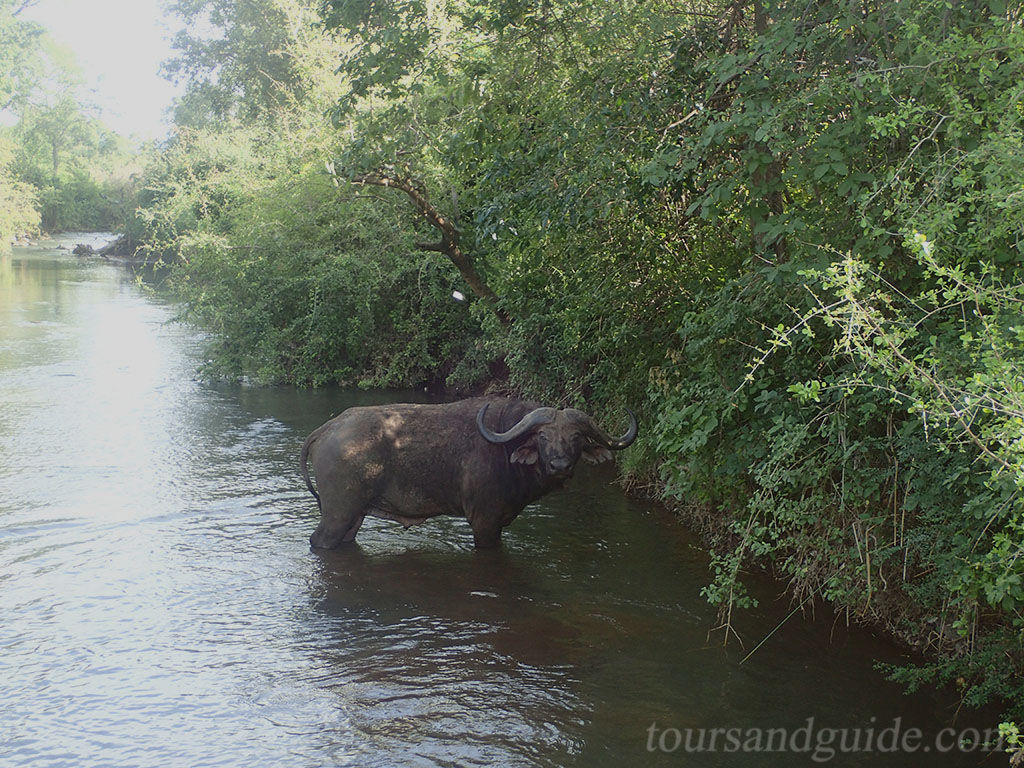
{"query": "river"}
[(161, 605)]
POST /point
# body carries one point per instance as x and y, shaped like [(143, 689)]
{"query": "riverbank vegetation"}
[(790, 234), (61, 169)]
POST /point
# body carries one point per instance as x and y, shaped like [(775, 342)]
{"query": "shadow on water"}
[(460, 653), (488, 592)]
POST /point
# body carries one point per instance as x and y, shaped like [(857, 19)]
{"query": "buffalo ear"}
[(595, 454), (524, 454)]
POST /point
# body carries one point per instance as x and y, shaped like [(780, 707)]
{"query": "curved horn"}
[(612, 443), (534, 418)]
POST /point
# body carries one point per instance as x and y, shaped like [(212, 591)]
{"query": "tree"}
[(245, 64), (54, 126), (63, 150), (524, 120), (19, 52)]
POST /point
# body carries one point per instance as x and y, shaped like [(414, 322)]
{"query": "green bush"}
[(19, 213), (298, 280)]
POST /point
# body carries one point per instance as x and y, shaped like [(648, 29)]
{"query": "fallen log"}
[(123, 246)]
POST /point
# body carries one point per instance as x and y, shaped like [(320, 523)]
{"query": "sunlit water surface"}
[(161, 606)]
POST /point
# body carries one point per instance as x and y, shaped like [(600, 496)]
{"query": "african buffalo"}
[(484, 458)]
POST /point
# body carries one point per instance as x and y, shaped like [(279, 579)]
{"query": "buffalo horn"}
[(534, 418), (612, 443)]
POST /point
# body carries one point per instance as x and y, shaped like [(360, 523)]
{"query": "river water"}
[(161, 606)]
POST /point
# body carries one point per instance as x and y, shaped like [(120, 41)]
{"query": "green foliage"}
[(319, 316), (19, 54), (298, 281), (63, 163), (1009, 732), (79, 171), (704, 211), (391, 41), (863, 439), (242, 59), (18, 206), (535, 153), (845, 437), (951, 357)]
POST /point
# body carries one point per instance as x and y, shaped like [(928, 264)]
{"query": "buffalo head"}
[(555, 439)]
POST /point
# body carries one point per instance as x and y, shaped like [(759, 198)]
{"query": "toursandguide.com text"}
[(822, 743)]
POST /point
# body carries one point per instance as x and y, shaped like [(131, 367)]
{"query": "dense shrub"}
[(19, 213), (300, 281)]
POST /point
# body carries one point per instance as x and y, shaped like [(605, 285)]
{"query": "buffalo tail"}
[(305, 468)]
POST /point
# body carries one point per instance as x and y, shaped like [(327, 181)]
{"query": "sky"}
[(119, 45)]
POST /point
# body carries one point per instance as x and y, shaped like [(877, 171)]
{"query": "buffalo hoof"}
[(486, 541), (325, 541), (332, 538)]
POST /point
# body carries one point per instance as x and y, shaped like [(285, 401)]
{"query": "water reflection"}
[(447, 651), (161, 605)]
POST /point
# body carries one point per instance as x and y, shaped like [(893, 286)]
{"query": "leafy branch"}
[(448, 244)]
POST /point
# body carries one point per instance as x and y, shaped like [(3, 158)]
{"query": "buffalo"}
[(483, 458)]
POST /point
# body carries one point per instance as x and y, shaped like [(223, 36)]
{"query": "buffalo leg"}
[(342, 509), (486, 534), (350, 534)]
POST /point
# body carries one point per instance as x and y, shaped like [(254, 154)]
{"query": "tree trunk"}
[(769, 177)]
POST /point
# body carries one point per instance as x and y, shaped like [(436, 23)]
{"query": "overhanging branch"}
[(22, 6), (449, 243)]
